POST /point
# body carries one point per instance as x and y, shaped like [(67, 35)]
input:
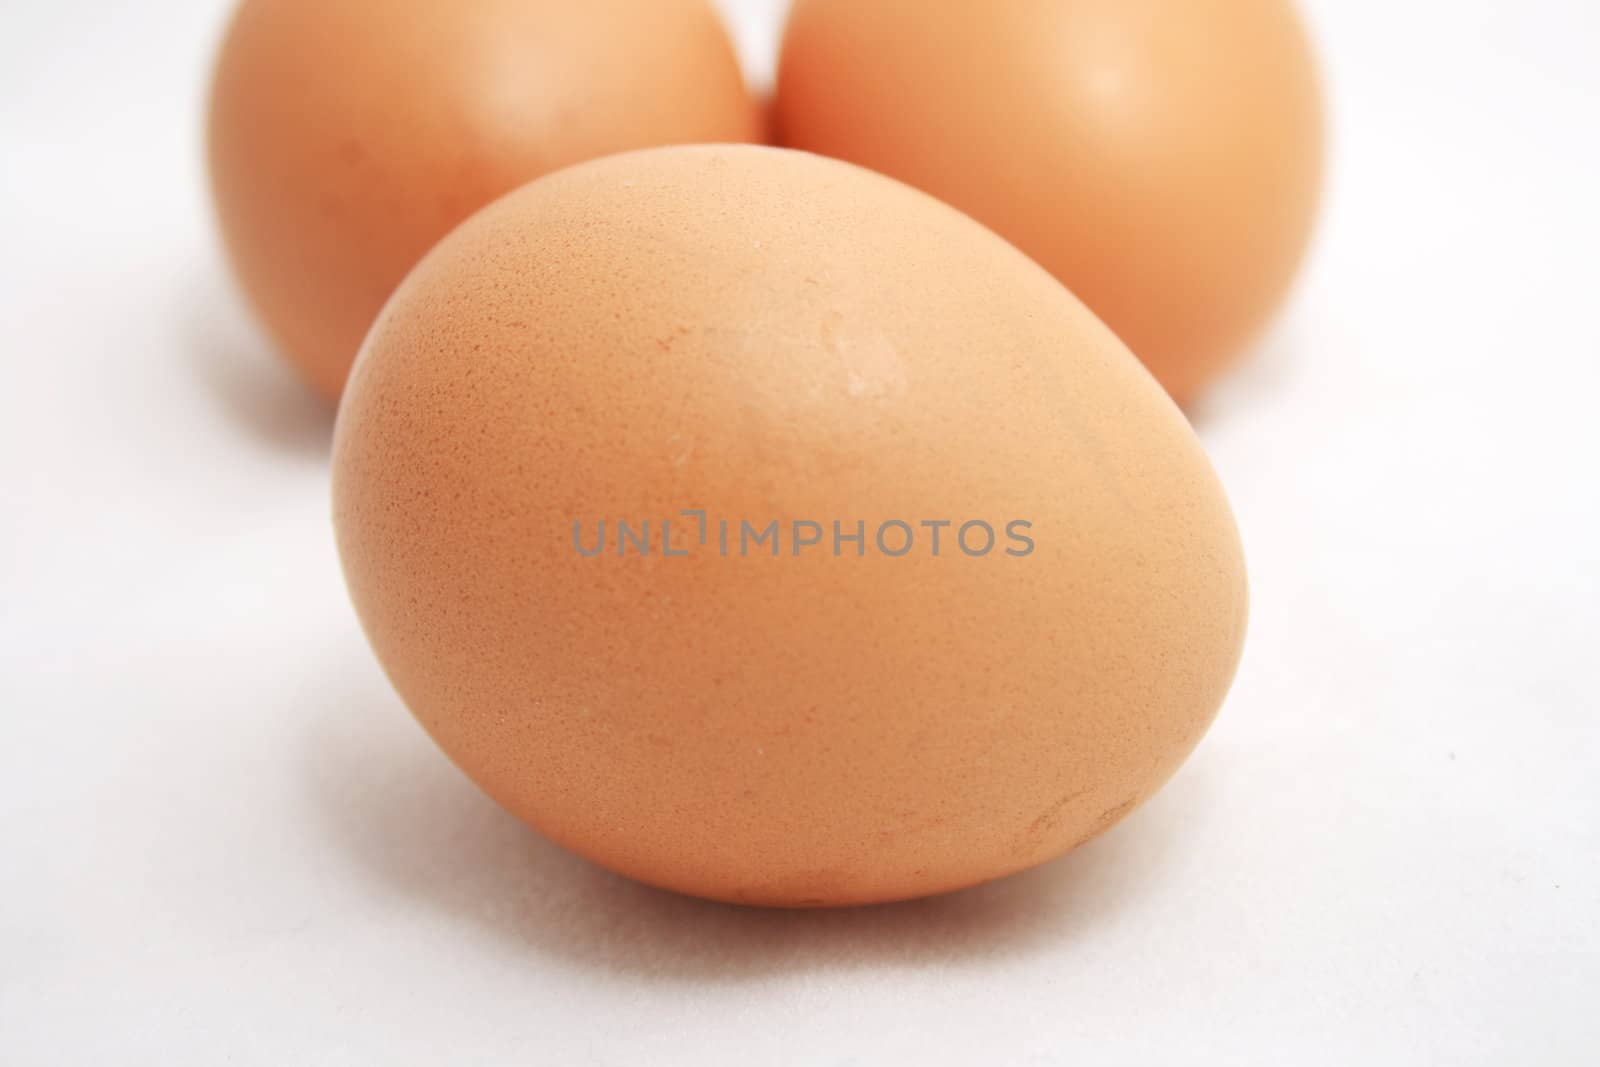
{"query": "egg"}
[(346, 138), (766, 530), (1162, 158)]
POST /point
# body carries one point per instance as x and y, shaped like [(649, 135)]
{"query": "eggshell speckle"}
[(760, 334)]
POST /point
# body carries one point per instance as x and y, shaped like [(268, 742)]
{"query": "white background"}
[(222, 839)]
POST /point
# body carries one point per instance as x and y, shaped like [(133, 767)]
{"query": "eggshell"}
[(761, 335), (346, 138), (1162, 158)]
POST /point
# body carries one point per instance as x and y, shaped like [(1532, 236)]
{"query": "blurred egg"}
[(346, 138), (1161, 157), (769, 119), (763, 529)]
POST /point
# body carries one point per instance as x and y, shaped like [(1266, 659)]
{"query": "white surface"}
[(222, 840)]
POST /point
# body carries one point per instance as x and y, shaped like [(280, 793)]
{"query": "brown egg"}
[(720, 353), (346, 138), (1161, 157)]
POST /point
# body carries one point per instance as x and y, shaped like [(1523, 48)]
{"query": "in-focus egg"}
[(764, 529), (346, 138), (1161, 157)]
